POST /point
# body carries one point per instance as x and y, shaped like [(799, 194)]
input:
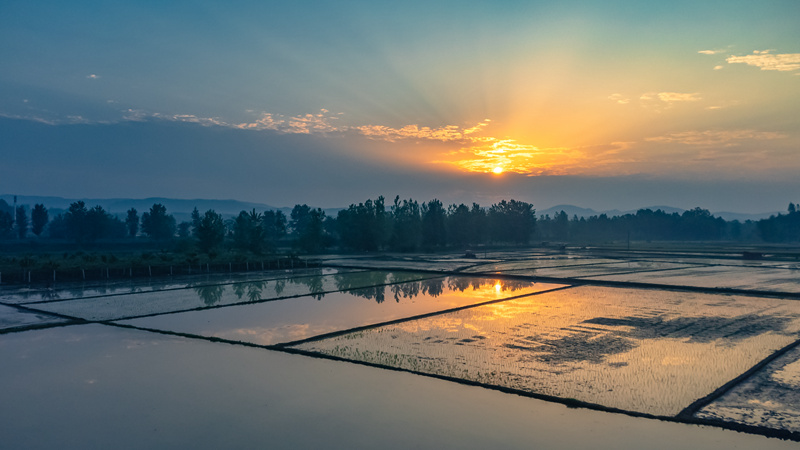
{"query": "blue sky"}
[(550, 102)]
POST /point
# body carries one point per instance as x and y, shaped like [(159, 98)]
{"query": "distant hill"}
[(572, 210), (180, 208)]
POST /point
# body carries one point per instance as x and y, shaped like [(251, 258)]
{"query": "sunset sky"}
[(613, 104)]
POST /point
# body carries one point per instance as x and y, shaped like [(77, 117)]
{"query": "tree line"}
[(404, 225)]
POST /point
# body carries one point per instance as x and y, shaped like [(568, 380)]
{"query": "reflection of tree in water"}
[(252, 289), (377, 293), (314, 284), (433, 287), (463, 283), (210, 294), (80, 291), (49, 294), (406, 290), (353, 283), (279, 285), (350, 281)]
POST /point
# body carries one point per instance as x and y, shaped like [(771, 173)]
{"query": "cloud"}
[(711, 52), (321, 122), (444, 134), (325, 122), (619, 98), (765, 60), (723, 138), (665, 100), (93, 76), (719, 67), (669, 97)]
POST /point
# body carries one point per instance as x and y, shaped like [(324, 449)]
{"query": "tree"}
[(512, 221), (157, 224), (22, 222), (132, 222), (433, 229), (248, 233), (75, 221), (458, 224), (210, 231), (184, 229), (97, 223), (195, 220), (6, 223), (273, 225), (407, 225), (363, 226), (38, 219), (308, 228)]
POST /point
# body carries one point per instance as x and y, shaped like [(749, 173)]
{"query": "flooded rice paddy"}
[(241, 356)]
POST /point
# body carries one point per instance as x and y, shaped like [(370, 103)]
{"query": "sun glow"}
[(498, 170)]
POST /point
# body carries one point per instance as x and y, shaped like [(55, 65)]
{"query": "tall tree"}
[(512, 221), (75, 221), (363, 226), (308, 228), (434, 233), (38, 219), (97, 223), (157, 224), (21, 222), (407, 225), (248, 234), (6, 224), (132, 222), (273, 224), (210, 231)]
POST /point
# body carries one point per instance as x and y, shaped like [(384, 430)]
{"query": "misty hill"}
[(180, 208), (572, 210)]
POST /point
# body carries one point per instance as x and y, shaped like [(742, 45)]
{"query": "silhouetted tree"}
[(157, 224), (781, 228), (407, 225), (75, 220), (58, 227), (363, 226), (132, 222), (38, 219), (96, 223), (512, 221), (434, 233), (184, 229), (308, 228), (248, 233), (21, 222), (458, 225), (479, 224), (210, 231), (6, 224), (273, 224)]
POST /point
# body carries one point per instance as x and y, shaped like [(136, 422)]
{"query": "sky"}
[(614, 104)]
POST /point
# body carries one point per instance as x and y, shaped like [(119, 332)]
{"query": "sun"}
[(498, 170)]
